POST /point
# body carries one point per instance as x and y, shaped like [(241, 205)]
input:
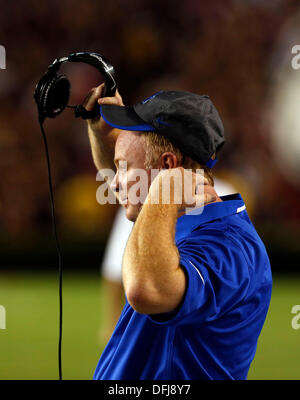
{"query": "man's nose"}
[(114, 185)]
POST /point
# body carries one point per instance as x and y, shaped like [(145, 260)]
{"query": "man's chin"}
[(132, 211)]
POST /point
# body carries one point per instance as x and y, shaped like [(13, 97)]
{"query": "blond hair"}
[(156, 145)]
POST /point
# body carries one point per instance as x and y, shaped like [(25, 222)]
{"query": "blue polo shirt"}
[(213, 333)]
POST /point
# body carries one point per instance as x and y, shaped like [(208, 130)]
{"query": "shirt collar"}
[(231, 204)]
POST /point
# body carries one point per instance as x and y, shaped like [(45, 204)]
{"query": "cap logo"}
[(162, 122), (151, 97)]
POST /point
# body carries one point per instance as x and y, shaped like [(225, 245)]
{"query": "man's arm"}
[(102, 136), (153, 279)]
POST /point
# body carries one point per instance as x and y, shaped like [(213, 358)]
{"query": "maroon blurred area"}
[(221, 48)]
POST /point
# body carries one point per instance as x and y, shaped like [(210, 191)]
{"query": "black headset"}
[(51, 95), (53, 89)]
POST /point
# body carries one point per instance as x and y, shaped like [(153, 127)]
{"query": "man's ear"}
[(168, 160)]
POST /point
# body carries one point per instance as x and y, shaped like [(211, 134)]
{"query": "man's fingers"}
[(92, 97), (200, 186), (108, 100), (209, 198), (98, 91), (118, 96), (200, 178), (116, 100), (202, 200)]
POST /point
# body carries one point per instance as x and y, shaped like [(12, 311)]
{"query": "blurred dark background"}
[(237, 52)]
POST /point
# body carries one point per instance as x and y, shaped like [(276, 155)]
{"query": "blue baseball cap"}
[(190, 121)]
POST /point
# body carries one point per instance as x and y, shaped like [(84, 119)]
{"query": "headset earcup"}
[(54, 95)]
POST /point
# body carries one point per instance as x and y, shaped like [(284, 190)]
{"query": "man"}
[(197, 284)]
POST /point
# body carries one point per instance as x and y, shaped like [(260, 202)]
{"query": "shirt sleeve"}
[(215, 280)]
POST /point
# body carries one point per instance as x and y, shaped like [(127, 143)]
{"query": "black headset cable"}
[(58, 248)]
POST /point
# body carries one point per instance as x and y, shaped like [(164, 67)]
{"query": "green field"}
[(28, 345)]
